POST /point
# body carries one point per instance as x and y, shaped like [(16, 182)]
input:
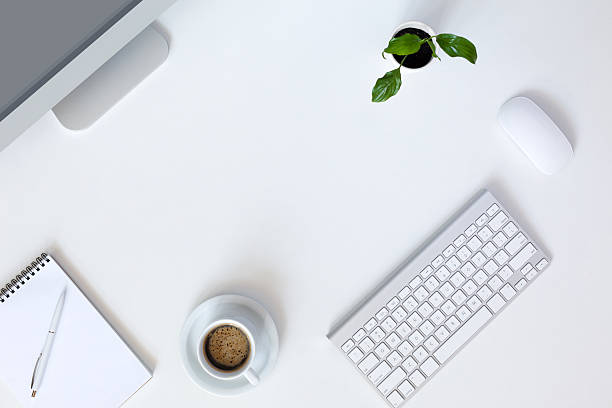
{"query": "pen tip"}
[(33, 393)]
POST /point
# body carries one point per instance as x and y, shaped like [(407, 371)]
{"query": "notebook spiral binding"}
[(22, 277)]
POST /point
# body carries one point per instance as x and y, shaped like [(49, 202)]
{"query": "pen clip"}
[(34, 373)]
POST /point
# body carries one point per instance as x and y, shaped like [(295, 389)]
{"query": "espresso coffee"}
[(226, 347)]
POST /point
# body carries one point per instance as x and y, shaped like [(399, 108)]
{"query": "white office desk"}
[(253, 162)]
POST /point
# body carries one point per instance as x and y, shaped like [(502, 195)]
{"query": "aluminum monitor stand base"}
[(112, 81)]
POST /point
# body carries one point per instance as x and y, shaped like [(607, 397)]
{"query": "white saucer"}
[(211, 310)]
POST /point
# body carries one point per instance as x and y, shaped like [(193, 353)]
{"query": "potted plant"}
[(413, 46)]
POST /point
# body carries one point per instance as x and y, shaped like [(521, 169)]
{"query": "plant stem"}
[(403, 59)]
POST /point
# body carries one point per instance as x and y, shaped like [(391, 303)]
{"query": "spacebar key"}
[(462, 335)]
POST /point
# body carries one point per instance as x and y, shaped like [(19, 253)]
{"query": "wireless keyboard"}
[(438, 300)]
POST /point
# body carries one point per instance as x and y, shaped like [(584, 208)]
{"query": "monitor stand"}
[(112, 81)]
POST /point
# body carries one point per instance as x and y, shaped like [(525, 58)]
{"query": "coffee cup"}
[(227, 350)]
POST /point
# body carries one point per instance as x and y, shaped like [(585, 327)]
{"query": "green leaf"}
[(433, 48), (456, 46), (387, 86), (404, 45)]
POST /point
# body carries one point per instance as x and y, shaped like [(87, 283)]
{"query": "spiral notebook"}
[(89, 364)]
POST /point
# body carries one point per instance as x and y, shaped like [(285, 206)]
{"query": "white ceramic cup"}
[(246, 370), (412, 24)]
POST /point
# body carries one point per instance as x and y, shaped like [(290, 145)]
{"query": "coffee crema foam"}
[(227, 347)]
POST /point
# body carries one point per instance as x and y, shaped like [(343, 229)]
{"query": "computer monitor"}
[(48, 48)]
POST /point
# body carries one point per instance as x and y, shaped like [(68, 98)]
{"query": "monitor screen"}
[(39, 37)]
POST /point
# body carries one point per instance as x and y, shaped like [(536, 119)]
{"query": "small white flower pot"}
[(419, 26)]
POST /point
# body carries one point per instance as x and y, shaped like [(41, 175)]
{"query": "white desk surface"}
[(253, 162)]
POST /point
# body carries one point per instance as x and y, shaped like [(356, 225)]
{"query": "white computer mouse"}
[(535, 134)]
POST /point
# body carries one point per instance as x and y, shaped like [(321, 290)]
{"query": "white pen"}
[(43, 358)]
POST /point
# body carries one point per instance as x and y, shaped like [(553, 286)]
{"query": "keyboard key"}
[(382, 313), (469, 287), (505, 273), (379, 372), (482, 220), (497, 221), (404, 293), (462, 335), (421, 294), (507, 291), (437, 261), (453, 263), (410, 304), (368, 363), (474, 243), (447, 289), (492, 210), (490, 267), (495, 283), (371, 324), (480, 277), (426, 272), (431, 343), (468, 269), (458, 297), (429, 366), (359, 335), (405, 388), (457, 279), (394, 359), (510, 229), (464, 253), (522, 257), (479, 259), (526, 268), (452, 323), (437, 317), (425, 309), (393, 303), (409, 364), (520, 284), (355, 354), (463, 313), (420, 354), (443, 273), (348, 345), (436, 299), (366, 345), (395, 399), (474, 303), (405, 348), (442, 334), (431, 283), (388, 324), (500, 239), (516, 243), (416, 378), (403, 330), (416, 338), (471, 230), (393, 340), (448, 251), (542, 264), (377, 334), (484, 293), (414, 320), (531, 274), (501, 257), (485, 233), (489, 249), (448, 307), (399, 314), (416, 282), (460, 240), (426, 328), (496, 303), (382, 350)]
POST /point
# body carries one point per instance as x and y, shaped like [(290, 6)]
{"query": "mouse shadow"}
[(96, 300), (257, 280), (555, 111)]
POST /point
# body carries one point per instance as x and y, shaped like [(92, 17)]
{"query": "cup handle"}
[(251, 376)]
